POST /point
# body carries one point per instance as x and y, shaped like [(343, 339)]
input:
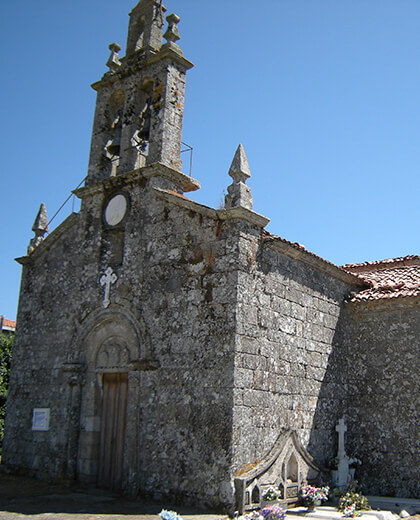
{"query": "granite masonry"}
[(165, 348)]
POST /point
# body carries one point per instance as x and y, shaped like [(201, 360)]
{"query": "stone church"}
[(169, 349)]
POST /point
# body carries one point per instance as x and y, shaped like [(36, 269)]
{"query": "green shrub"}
[(6, 343)]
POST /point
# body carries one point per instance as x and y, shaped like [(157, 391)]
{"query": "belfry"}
[(140, 100)]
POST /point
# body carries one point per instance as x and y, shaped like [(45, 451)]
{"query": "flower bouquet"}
[(272, 513), (267, 513), (169, 515), (271, 494), (350, 511), (312, 496)]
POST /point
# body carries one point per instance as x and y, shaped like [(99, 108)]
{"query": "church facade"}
[(165, 348)]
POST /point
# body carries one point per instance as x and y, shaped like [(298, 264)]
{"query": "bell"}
[(144, 131), (145, 121), (114, 146)]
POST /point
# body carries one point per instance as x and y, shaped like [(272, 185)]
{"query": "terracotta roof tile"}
[(7, 323), (172, 192), (389, 279)]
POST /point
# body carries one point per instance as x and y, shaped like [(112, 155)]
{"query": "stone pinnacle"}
[(239, 194), (40, 225), (239, 169)]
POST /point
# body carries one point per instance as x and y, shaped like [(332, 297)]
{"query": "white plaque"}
[(40, 419), (115, 210)]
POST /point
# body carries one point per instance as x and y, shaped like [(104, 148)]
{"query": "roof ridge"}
[(400, 261)]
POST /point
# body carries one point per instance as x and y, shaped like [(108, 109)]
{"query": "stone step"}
[(395, 504)]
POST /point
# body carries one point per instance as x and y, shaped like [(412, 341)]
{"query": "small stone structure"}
[(210, 334), (285, 467)]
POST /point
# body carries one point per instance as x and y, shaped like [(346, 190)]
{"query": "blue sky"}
[(323, 94)]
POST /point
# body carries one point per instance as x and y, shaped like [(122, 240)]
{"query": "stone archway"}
[(285, 466), (111, 349)]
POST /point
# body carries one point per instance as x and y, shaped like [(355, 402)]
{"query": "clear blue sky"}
[(323, 94)]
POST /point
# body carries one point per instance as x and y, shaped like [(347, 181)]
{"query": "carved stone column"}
[(75, 376)]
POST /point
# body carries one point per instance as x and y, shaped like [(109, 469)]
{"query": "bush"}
[(6, 343)]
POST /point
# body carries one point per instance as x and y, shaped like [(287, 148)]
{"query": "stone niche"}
[(286, 466)]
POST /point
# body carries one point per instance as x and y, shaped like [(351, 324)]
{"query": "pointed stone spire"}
[(239, 169), (40, 227), (239, 195), (113, 62)]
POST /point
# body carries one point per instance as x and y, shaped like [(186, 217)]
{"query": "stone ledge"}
[(128, 67), (298, 253), (243, 214), (217, 214), (186, 182)]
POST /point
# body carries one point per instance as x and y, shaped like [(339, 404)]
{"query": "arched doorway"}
[(111, 360), (107, 448)]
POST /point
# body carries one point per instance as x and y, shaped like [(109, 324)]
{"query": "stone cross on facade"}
[(107, 280), (341, 429)]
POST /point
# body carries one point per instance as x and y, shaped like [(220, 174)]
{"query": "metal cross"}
[(341, 429), (106, 280)]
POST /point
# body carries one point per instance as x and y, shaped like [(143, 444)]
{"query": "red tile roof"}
[(390, 278), (5, 323)]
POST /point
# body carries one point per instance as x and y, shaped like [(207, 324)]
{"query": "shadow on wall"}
[(371, 379)]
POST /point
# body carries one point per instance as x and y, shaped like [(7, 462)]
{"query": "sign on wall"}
[(41, 419)]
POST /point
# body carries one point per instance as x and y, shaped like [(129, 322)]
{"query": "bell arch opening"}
[(113, 129)]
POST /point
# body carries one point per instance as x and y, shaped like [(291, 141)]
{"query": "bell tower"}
[(140, 100)]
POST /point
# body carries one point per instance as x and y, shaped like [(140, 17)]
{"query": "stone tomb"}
[(285, 467)]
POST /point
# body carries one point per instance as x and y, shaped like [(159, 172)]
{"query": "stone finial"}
[(113, 62), (40, 227), (172, 35), (239, 169), (239, 195)]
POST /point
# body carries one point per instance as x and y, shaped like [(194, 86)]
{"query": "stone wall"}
[(44, 320), (227, 339), (381, 353), (175, 291), (288, 313)]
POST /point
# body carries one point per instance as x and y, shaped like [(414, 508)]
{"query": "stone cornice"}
[(299, 253), (217, 214), (70, 221), (131, 66), (183, 202), (154, 170), (172, 51), (243, 214)]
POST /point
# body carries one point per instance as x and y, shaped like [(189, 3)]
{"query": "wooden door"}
[(113, 421)]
